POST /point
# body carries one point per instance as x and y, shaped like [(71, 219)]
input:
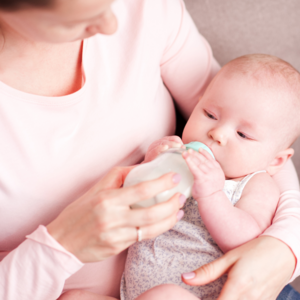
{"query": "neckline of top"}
[(41, 100)]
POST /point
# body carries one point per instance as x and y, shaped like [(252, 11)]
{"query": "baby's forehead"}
[(266, 71), (266, 99)]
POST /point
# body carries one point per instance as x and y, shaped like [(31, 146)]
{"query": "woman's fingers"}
[(151, 231), (121, 235), (144, 190), (141, 216), (100, 223), (150, 215), (257, 270), (113, 179), (209, 272)]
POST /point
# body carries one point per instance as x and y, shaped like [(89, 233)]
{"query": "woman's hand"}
[(257, 270), (101, 224), (162, 145)]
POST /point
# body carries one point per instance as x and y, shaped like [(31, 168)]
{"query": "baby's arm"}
[(231, 226)]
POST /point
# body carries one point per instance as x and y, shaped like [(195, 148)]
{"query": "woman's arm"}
[(37, 269), (257, 270), (286, 223), (94, 227), (187, 65)]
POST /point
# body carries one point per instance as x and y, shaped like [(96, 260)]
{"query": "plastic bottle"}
[(168, 161)]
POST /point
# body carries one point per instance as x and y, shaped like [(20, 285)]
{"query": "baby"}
[(248, 117)]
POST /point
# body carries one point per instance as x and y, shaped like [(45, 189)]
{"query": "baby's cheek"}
[(238, 167)]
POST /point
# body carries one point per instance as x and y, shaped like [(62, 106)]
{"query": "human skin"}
[(237, 118), (25, 42)]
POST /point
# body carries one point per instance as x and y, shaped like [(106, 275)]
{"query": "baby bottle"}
[(168, 161)]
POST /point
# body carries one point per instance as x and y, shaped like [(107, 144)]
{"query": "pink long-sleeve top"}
[(54, 148)]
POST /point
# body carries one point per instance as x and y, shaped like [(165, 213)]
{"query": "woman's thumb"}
[(208, 272)]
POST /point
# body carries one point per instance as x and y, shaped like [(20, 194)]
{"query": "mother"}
[(71, 109)]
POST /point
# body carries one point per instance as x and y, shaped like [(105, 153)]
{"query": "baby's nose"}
[(218, 136)]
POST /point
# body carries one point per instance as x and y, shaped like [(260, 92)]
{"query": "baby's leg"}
[(83, 295), (167, 291)]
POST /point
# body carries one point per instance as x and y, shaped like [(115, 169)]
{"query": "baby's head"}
[(249, 115)]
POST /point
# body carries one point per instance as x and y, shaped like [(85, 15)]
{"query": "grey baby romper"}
[(184, 248)]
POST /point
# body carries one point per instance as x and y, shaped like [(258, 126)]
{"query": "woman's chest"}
[(53, 152)]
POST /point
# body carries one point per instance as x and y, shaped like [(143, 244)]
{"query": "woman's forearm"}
[(286, 223), (37, 269)]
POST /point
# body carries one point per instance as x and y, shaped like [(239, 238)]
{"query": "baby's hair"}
[(264, 66), (275, 73)]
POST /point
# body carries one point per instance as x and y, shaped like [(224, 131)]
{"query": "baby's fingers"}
[(196, 166), (173, 138), (171, 141), (154, 152), (206, 154), (198, 158)]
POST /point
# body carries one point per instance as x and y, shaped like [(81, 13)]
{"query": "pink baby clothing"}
[(53, 149), (185, 247)]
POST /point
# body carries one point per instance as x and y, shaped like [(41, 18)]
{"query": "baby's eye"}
[(242, 135), (210, 115)]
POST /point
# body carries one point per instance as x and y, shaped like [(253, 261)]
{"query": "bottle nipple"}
[(196, 145)]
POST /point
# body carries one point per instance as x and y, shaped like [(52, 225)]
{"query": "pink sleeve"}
[(286, 223), (37, 269), (187, 65)]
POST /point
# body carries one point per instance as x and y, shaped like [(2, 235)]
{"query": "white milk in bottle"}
[(168, 161)]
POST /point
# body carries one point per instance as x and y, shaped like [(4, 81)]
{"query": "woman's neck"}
[(40, 68)]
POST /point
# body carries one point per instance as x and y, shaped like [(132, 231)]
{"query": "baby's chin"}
[(236, 175)]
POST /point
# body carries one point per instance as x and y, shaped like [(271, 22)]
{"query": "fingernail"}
[(180, 215), (176, 178), (182, 200), (190, 275)]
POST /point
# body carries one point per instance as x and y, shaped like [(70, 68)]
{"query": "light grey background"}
[(237, 27)]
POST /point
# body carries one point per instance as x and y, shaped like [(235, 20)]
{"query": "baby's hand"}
[(162, 145), (209, 177)]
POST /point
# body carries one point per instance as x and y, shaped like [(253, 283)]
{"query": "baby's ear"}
[(280, 159)]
